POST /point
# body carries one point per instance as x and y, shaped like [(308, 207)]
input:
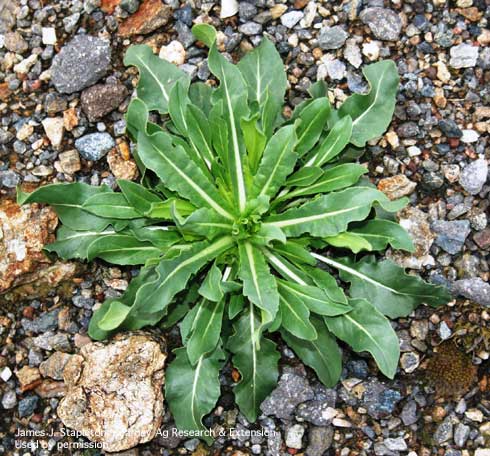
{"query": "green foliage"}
[(234, 205)]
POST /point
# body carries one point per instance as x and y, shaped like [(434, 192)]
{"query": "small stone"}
[(352, 53), (9, 400), (278, 10), (115, 393), (94, 146), (443, 73), (461, 434), (469, 136), (121, 167), (47, 321), (14, 42), (379, 400), (250, 28), (451, 172), (70, 161), (371, 50), (463, 56), (475, 289), (131, 6), (332, 37), (484, 37), (294, 436), (174, 53), (319, 440), (27, 376), (54, 128), (397, 186), (336, 69), (474, 415), (474, 176), (451, 235), (27, 406), (450, 129), (80, 63), (290, 19), (444, 432), (24, 131), (53, 367), (397, 444), (482, 239), (228, 8), (383, 22), (49, 36), (151, 15), (25, 65), (409, 413), (70, 119), (482, 452), (408, 130), (410, 361), (52, 341), (444, 331), (5, 374), (101, 99)]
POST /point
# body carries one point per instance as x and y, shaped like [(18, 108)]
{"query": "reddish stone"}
[(151, 15), (482, 238), (108, 6), (4, 91)]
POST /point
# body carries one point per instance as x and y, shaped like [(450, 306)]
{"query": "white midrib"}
[(292, 311), (242, 196), (301, 191), (162, 87), (198, 189), (88, 233), (248, 249), (266, 186), (322, 159), (284, 268), (311, 218), (194, 389), (254, 354)]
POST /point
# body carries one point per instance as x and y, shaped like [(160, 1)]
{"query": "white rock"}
[(294, 436), (54, 128), (482, 452), (228, 8), (443, 73), (469, 136), (371, 50), (413, 151), (6, 374), (352, 53), (174, 52), (25, 65), (310, 13), (336, 69), (474, 415), (463, 56), (49, 35), (290, 19)]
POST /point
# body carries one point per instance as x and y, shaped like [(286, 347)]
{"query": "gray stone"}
[(336, 69), (319, 440), (291, 390), (463, 56), (379, 400), (450, 128), (396, 444), (131, 6), (294, 436), (9, 400), (250, 28), (94, 146), (46, 322), (52, 341), (444, 431), (409, 413), (451, 235), (319, 413), (101, 99), (9, 179), (27, 406), (14, 42), (461, 434), (474, 289), (384, 23), (290, 19), (474, 176), (80, 63), (332, 37)]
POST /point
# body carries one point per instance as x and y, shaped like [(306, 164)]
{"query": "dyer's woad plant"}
[(245, 223)]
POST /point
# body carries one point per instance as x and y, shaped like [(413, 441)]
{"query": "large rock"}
[(114, 392), (80, 63), (23, 233)]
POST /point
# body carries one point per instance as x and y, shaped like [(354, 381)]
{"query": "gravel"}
[(474, 176), (95, 145), (384, 23)]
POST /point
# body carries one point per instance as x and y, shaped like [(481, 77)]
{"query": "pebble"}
[(228, 8), (444, 331), (54, 129), (451, 235), (473, 288), (94, 146), (474, 176), (49, 36), (52, 341), (27, 406), (319, 440), (332, 37), (371, 50), (294, 436), (379, 400), (250, 28), (409, 413), (409, 362), (100, 99), (174, 53), (383, 22), (9, 399), (352, 53), (444, 432), (336, 69), (397, 186), (80, 63), (6, 374), (15, 42), (474, 415), (395, 444), (290, 19), (463, 56), (53, 367), (469, 136), (70, 161), (47, 321)]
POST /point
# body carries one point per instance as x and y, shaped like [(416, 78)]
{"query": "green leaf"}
[(192, 391), (333, 144), (138, 196), (180, 174), (200, 95), (255, 141), (295, 252), (313, 297), (205, 33), (335, 178), (235, 305), (313, 119), (111, 205), (386, 285), (203, 222), (206, 329), (114, 316), (380, 233), (295, 316), (327, 283), (258, 367), (122, 249), (304, 177), (330, 214), (263, 72), (364, 328), (349, 241), (67, 200), (211, 287), (233, 93), (322, 354), (74, 244), (277, 163), (174, 273), (259, 285), (157, 77), (371, 113), (199, 133), (160, 236)]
